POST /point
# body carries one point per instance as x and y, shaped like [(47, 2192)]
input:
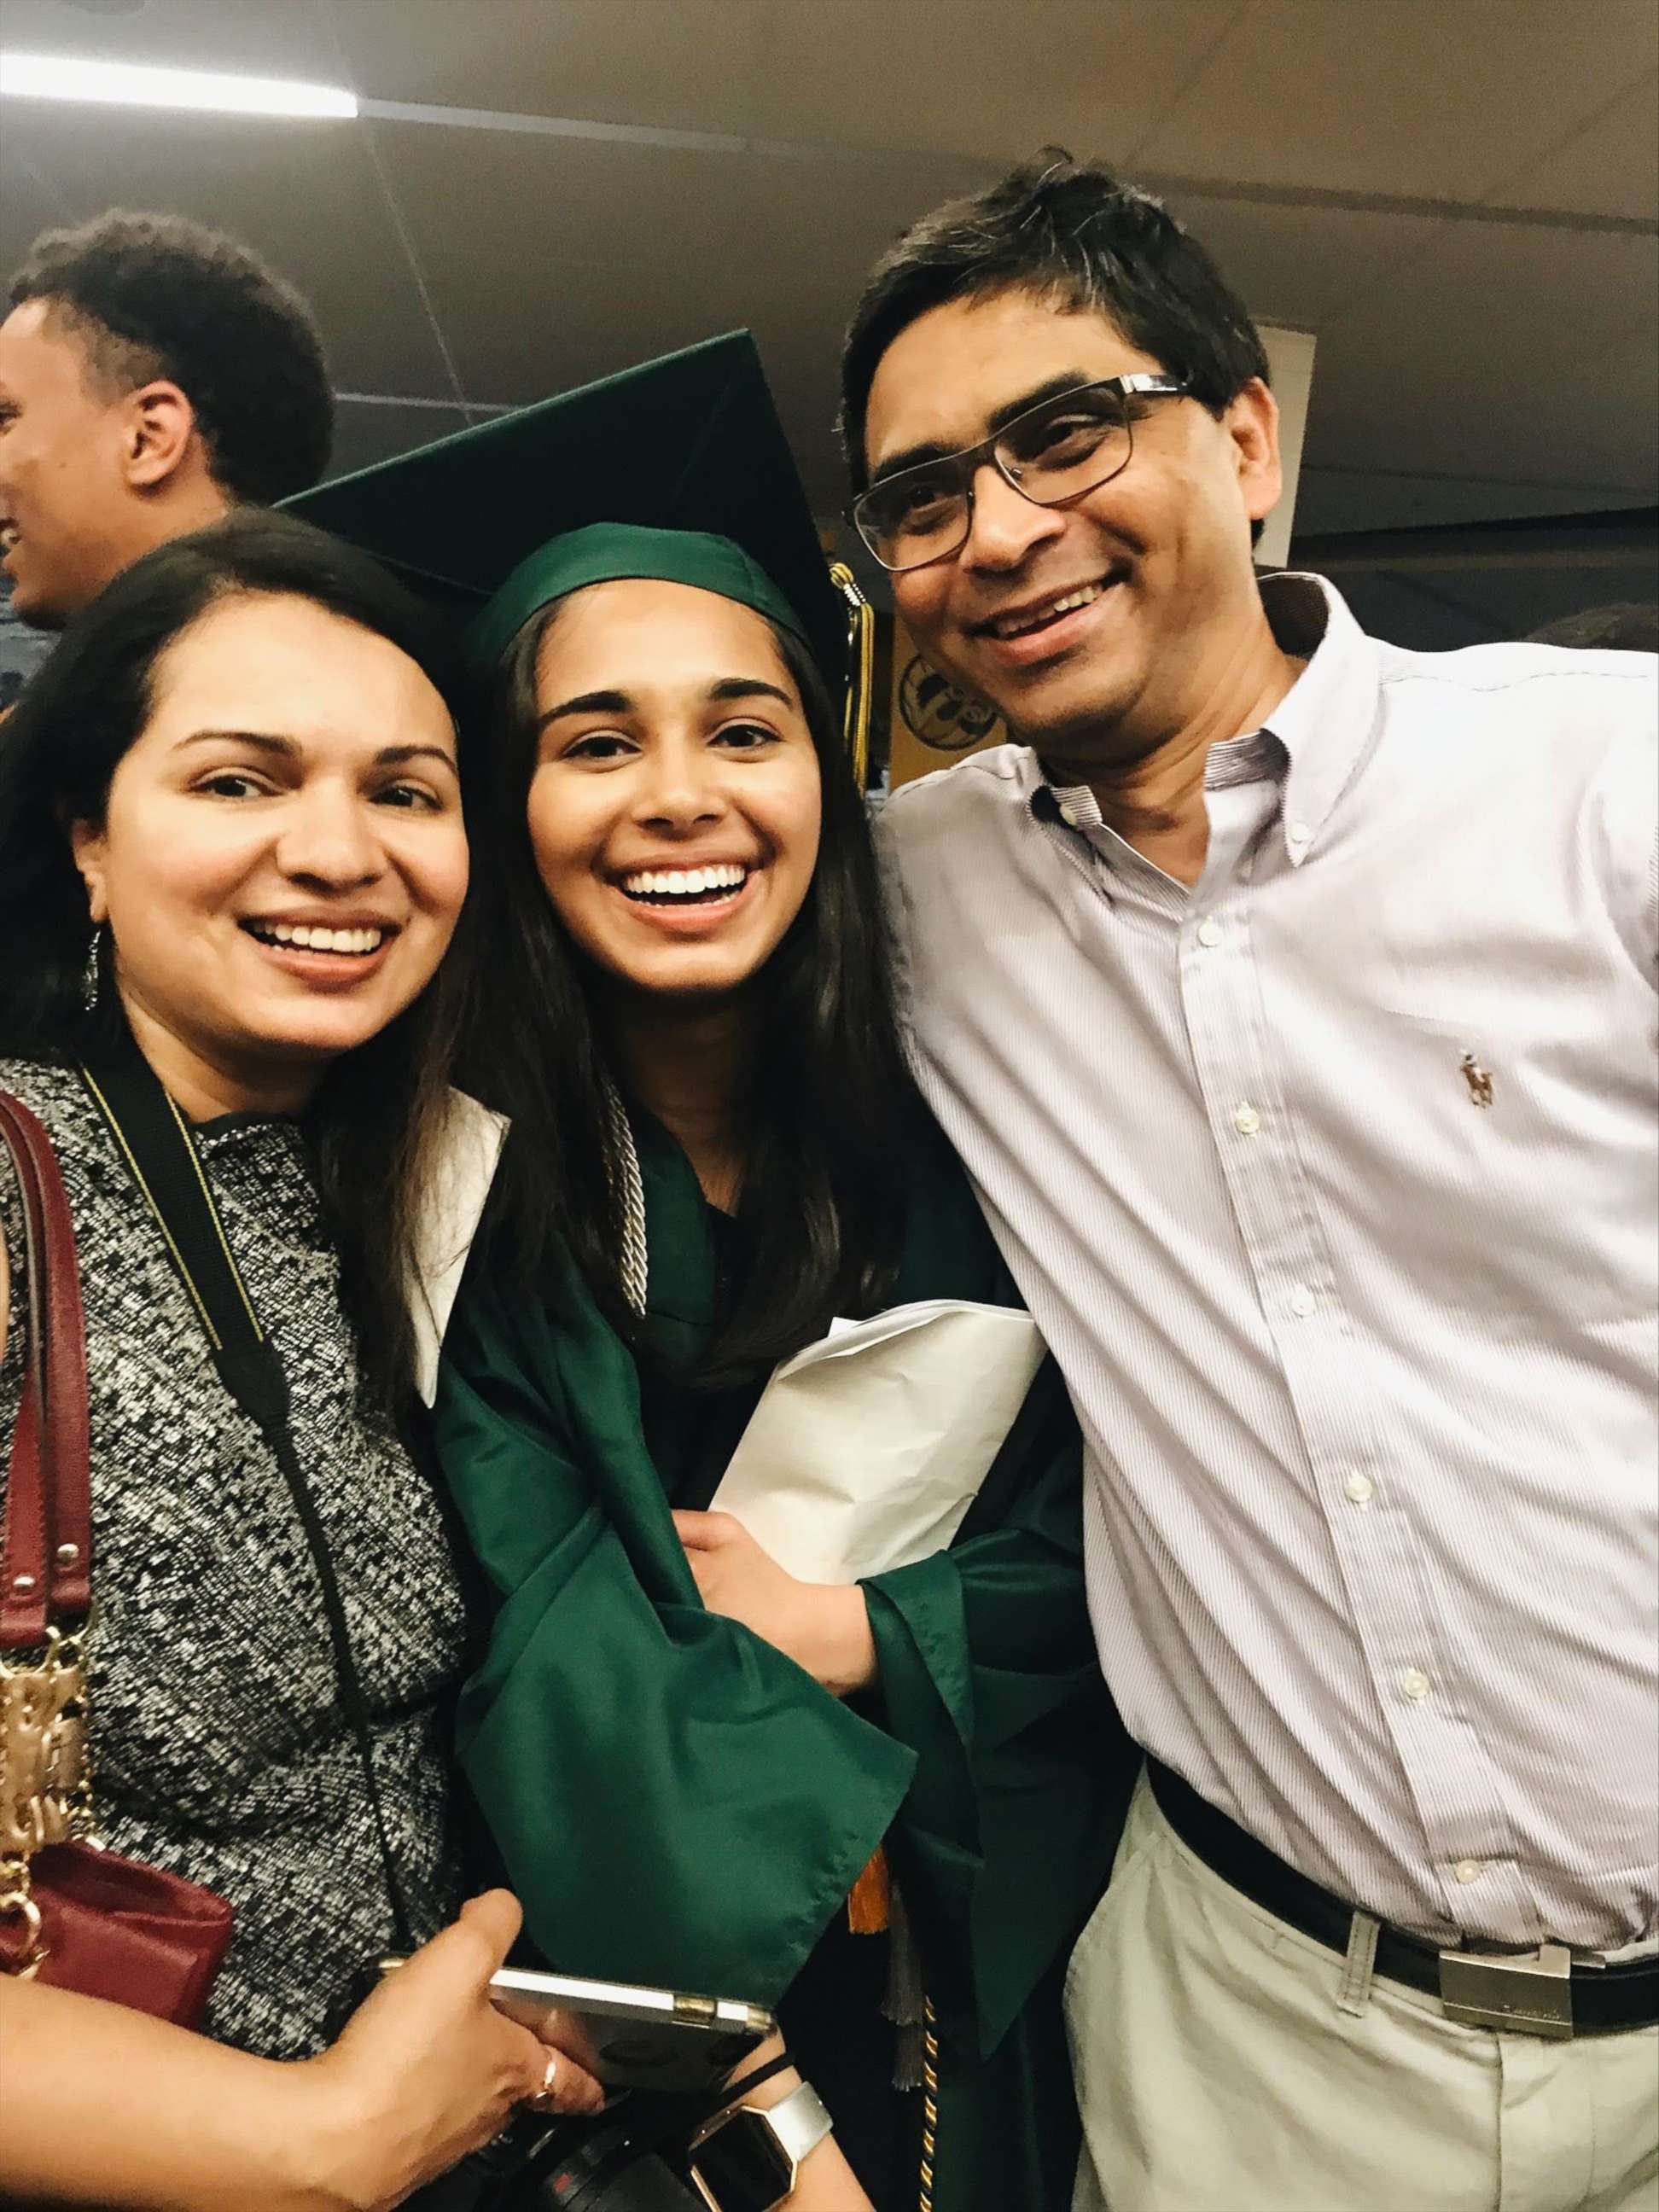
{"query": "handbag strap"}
[(161, 1154), (45, 1546)]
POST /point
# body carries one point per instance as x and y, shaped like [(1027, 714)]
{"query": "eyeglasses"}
[(1053, 451)]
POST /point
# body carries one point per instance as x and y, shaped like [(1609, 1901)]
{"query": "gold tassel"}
[(861, 673), (867, 1905)]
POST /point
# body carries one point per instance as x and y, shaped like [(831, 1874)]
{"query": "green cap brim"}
[(605, 552)]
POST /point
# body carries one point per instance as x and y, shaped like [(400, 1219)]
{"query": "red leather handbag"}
[(71, 1913)]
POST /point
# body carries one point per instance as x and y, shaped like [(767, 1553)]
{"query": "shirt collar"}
[(1327, 721), (1316, 739)]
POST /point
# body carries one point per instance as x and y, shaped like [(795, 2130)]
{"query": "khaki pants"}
[(1226, 2063)]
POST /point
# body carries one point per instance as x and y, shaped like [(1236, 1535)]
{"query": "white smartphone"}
[(629, 2036)]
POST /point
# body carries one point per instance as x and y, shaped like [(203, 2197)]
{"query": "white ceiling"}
[(1459, 197)]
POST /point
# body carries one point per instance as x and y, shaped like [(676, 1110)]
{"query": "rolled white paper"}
[(867, 1448)]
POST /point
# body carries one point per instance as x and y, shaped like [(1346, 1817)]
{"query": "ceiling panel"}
[(565, 326), (1508, 353), (287, 39), (982, 77), (812, 230), (303, 194), (679, 65), (1415, 97), (1609, 167), (29, 204), (1301, 265), (553, 259)]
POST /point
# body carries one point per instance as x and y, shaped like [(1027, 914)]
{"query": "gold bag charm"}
[(43, 1777)]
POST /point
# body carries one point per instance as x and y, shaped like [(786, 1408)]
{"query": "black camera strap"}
[(161, 1154)]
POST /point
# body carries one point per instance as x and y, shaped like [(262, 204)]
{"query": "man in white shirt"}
[(1291, 999)]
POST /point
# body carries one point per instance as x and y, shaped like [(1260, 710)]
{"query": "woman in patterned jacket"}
[(233, 854)]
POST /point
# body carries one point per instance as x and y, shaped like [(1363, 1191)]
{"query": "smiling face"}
[(67, 509), (1099, 627), (281, 860), (674, 806)]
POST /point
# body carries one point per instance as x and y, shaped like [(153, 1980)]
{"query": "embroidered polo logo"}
[(1478, 1080)]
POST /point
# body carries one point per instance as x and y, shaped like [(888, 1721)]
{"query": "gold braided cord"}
[(930, 2103), (861, 675), (628, 1193)]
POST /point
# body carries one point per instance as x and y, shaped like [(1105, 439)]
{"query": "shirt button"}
[(1467, 1870), (1246, 1120), (1415, 1685), (1298, 834), (1358, 1490), (1303, 1302), (1209, 933)]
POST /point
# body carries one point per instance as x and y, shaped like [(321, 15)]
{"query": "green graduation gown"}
[(677, 1802)]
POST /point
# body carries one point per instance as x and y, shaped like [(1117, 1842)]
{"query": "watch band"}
[(730, 2153)]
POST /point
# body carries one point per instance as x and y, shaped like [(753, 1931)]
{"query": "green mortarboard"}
[(689, 444)]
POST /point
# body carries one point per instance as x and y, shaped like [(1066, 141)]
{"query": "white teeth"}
[(308, 938), (684, 883), (1017, 625)]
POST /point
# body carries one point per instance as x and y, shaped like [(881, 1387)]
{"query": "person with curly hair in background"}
[(154, 375)]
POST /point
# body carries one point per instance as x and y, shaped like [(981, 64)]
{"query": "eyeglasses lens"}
[(916, 517), (1066, 448)]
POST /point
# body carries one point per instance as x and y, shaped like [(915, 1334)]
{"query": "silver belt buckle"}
[(1529, 1993)]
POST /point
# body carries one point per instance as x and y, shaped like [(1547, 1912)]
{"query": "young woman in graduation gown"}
[(688, 1758)]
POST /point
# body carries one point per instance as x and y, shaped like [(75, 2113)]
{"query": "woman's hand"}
[(823, 1627), (427, 2069)]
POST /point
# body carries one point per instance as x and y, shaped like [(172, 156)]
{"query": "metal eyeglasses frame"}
[(964, 466)]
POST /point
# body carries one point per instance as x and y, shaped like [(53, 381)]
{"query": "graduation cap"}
[(691, 443)]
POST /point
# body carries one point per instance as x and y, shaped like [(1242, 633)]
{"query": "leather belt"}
[(1543, 1992)]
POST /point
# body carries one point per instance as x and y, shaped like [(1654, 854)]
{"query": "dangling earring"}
[(92, 974)]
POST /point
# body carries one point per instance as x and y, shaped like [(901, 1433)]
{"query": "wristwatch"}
[(746, 2161)]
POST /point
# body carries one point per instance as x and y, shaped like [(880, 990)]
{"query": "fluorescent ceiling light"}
[(129, 84)]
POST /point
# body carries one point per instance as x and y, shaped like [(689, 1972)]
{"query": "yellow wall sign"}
[(930, 722)]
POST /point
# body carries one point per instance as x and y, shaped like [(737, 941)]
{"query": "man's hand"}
[(823, 1627)]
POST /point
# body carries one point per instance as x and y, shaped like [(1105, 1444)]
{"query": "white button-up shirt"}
[(1333, 1184)]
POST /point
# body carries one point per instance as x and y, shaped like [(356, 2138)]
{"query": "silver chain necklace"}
[(625, 1184)]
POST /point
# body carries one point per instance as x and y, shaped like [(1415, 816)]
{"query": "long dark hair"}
[(379, 1109), (821, 1201)]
